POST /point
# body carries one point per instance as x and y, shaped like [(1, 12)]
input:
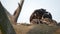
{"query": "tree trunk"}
[(5, 25)]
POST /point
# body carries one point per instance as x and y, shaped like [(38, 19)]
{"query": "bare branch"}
[(18, 10)]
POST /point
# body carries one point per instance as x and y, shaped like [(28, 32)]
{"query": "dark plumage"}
[(39, 13)]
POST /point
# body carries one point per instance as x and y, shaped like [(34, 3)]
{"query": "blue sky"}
[(52, 6)]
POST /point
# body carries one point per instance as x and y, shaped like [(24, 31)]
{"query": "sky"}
[(52, 6)]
